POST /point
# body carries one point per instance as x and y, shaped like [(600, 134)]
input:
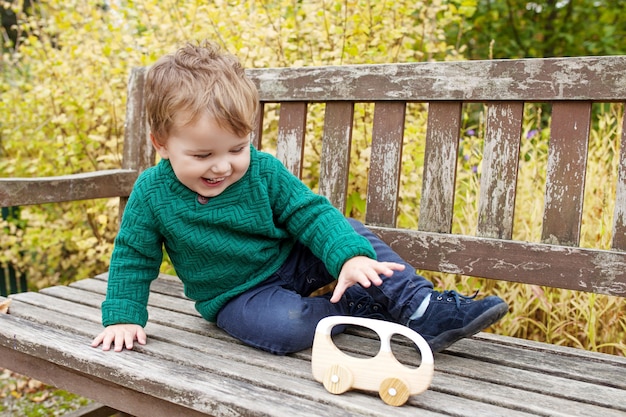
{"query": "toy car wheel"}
[(394, 391), (338, 379)]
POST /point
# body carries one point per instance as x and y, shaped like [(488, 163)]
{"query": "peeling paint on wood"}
[(519, 80), (565, 181), (100, 184), (498, 180), (442, 143), (290, 142), (619, 216)]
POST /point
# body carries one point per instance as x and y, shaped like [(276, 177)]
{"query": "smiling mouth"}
[(214, 180)]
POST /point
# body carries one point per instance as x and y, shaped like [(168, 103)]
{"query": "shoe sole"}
[(481, 322)]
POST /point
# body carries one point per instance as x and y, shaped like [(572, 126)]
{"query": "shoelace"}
[(364, 307), (450, 295)]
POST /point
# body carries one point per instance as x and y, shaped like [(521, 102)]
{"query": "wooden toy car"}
[(394, 382)]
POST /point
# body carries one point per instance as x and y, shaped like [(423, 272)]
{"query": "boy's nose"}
[(221, 167)]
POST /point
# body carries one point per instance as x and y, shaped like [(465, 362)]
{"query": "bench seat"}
[(189, 367)]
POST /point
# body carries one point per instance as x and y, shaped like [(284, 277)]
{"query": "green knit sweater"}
[(224, 247)]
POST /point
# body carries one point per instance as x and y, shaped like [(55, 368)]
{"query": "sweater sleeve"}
[(135, 263), (315, 221)]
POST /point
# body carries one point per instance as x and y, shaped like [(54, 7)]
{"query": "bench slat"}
[(581, 269), (547, 79), (256, 136), (291, 130), (619, 216), (534, 391), (498, 180), (138, 154), (440, 160), (565, 183), (386, 156), (335, 161), (217, 360), (482, 383), (98, 184), (172, 381)]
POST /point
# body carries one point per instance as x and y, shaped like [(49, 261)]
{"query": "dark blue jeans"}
[(279, 316)]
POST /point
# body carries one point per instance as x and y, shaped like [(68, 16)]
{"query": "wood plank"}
[(256, 136), (498, 180), (184, 307), (576, 78), (581, 269), (619, 216), (73, 187), (89, 386), (291, 131), (538, 360), (483, 379), (520, 354), (452, 371), (593, 367), (383, 182), (335, 160), (440, 160), (565, 182), (217, 358), (169, 381), (138, 153), (163, 346)]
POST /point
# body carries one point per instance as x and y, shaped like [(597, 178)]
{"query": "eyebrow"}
[(206, 150)]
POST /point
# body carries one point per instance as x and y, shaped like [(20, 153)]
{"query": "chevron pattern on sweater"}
[(224, 247)]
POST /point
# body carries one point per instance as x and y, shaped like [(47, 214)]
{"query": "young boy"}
[(248, 239)]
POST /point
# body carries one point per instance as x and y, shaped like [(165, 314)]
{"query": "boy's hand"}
[(362, 270), (120, 335)]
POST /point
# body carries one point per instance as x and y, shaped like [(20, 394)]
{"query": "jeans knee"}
[(285, 331)]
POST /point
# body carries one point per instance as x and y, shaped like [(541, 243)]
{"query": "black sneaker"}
[(361, 304), (451, 316)]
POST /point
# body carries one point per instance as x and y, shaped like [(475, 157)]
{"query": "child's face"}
[(206, 158)]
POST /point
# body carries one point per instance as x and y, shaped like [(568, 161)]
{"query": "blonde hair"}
[(195, 80)]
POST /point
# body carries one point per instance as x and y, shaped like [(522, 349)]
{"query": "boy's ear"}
[(160, 148)]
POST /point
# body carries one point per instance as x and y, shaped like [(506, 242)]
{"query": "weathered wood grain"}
[(291, 131), (138, 153), (442, 146), (74, 187), (619, 216), (566, 172), (581, 269), (383, 183), (483, 376), (518, 80), (335, 160), (498, 181)]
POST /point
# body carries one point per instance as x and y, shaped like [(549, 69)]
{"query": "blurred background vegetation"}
[(65, 65)]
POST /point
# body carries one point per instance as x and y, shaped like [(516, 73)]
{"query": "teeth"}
[(214, 180)]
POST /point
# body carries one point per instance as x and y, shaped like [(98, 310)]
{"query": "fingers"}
[(363, 271), (141, 336), (387, 268), (120, 337), (340, 288), (98, 340)]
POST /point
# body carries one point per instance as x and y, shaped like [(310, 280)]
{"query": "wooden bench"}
[(192, 368)]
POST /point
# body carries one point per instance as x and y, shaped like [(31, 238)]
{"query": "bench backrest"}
[(569, 85)]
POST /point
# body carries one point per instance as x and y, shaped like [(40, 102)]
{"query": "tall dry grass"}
[(563, 317)]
